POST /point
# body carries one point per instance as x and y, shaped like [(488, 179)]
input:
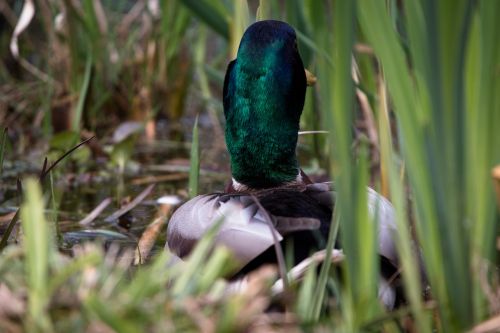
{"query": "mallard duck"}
[(263, 97)]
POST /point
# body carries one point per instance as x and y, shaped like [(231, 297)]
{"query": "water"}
[(161, 162)]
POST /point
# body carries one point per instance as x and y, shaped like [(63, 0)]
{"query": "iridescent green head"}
[(264, 91)]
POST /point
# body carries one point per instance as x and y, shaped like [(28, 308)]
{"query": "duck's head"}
[(264, 91)]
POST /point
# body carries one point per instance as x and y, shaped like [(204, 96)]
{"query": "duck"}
[(269, 198)]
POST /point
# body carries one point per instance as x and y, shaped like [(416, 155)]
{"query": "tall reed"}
[(441, 85)]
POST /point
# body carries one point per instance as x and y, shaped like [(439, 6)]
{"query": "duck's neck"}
[(254, 164), (262, 152), (263, 103)]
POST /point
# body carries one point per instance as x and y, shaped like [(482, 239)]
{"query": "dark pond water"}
[(77, 193)]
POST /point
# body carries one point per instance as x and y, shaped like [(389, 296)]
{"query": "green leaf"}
[(194, 170)]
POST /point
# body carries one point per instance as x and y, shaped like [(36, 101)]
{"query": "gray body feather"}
[(246, 232)]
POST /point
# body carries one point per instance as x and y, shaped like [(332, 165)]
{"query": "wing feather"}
[(246, 232)]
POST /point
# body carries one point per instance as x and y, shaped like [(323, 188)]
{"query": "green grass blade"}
[(359, 291), (83, 95), (194, 168), (184, 283), (239, 22), (263, 11), (295, 15), (306, 295), (404, 241), (358, 232), (482, 117), (149, 280), (37, 247), (440, 111), (383, 38), (219, 264), (315, 307), (55, 208)]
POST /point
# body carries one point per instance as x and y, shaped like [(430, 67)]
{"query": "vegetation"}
[(417, 80)]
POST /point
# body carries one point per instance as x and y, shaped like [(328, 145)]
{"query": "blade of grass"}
[(184, 283), (219, 264), (194, 170), (36, 243), (442, 94), (239, 22), (263, 10), (320, 290), (404, 241), (386, 45), (482, 117), (77, 118), (149, 280), (358, 236), (436, 123), (307, 290), (55, 208), (295, 16), (277, 246)]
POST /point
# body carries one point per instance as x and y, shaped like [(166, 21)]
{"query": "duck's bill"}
[(310, 78)]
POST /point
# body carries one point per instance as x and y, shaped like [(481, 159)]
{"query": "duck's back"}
[(298, 214), (248, 221)]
